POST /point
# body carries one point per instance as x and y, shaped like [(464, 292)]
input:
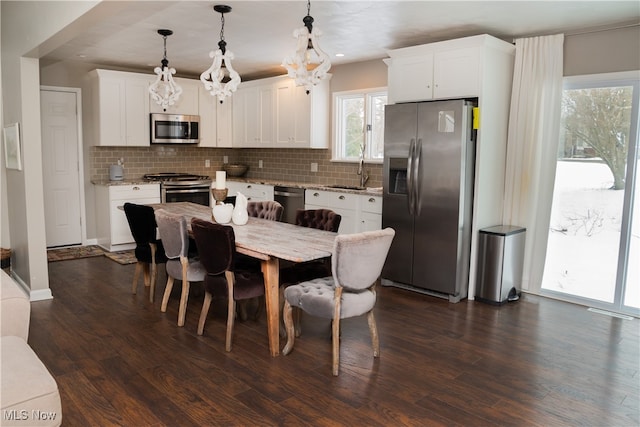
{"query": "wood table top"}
[(264, 237)]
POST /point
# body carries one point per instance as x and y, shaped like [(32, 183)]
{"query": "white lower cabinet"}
[(370, 213), (113, 233), (359, 212), (253, 192)]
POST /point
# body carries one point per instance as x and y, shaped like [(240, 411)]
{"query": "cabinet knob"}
[(341, 197), (372, 200), (316, 195), (248, 186), (135, 188)]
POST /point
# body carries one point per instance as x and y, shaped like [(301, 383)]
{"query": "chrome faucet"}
[(361, 171)]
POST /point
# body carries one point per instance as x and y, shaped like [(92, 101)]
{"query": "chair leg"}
[(231, 309), (335, 331), (154, 273), (288, 325), (146, 274), (375, 339), (167, 293), (205, 311), (136, 276), (297, 314), (182, 312)]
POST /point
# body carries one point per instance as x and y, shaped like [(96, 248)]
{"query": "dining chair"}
[(290, 274), (217, 247), (356, 263), (149, 251), (180, 265), (266, 209)]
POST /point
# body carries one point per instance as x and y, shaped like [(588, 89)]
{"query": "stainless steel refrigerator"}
[(428, 181)]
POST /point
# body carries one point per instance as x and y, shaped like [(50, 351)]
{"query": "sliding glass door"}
[(593, 253)]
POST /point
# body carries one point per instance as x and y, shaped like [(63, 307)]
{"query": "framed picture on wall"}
[(12, 149)]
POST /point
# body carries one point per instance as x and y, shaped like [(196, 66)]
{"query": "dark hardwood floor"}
[(538, 362)]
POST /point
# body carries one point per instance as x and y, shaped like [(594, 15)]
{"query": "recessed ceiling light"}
[(81, 55), (340, 54)]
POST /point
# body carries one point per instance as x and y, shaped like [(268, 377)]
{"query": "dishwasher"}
[(292, 199)]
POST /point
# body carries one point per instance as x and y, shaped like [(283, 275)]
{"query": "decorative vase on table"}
[(240, 215), (222, 213)]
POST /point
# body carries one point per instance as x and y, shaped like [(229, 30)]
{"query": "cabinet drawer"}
[(342, 200), (142, 191), (315, 198), (251, 191), (372, 204)]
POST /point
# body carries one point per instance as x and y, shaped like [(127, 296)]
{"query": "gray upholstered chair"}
[(290, 274), (174, 234), (356, 264)]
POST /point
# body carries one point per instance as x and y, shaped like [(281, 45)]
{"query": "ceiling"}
[(259, 33)]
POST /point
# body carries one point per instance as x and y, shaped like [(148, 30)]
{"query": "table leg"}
[(271, 272)]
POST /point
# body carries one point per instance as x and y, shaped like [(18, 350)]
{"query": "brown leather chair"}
[(270, 210), (217, 247), (321, 219), (149, 251)]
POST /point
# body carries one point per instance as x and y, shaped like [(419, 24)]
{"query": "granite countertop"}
[(371, 191)]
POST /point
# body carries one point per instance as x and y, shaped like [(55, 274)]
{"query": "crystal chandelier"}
[(220, 79), (309, 64), (164, 90)]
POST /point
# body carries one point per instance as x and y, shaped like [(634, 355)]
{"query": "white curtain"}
[(532, 143)]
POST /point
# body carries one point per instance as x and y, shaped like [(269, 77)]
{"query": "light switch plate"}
[(314, 167), (260, 164), (207, 163), (225, 159)]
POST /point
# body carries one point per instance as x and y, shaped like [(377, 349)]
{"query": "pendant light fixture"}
[(220, 79), (164, 90), (309, 64)]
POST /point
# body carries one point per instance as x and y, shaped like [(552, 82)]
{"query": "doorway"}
[(593, 250), (62, 166)]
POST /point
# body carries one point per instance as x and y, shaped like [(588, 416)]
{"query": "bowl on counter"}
[(235, 169)]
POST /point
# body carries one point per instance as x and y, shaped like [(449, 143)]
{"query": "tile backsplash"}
[(286, 165)]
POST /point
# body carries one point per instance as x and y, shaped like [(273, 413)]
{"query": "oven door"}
[(199, 195)]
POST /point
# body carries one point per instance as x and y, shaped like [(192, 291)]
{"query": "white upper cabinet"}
[(302, 120), (121, 108), (186, 104), (443, 70), (275, 113), (253, 115), (215, 120)]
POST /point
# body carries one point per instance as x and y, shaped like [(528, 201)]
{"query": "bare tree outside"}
[(597, 123)]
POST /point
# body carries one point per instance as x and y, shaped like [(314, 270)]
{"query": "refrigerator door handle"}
[(410, 180), (416, 177)]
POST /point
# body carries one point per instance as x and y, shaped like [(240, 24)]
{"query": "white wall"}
[(28, 29)]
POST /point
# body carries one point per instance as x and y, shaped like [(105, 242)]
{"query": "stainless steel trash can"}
[(500, 260)]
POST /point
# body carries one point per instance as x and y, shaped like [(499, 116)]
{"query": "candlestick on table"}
[(219, 194), (221, 180)]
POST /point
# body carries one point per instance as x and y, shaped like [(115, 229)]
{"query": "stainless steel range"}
[(182, 187)]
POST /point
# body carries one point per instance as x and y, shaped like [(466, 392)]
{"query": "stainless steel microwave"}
[(175, 129)]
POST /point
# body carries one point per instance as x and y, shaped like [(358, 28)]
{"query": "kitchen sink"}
[(346, 187)]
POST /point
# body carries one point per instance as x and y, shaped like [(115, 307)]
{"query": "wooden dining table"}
[(268, 241)]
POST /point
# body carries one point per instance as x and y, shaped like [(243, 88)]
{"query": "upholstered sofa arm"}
[(15, 308)]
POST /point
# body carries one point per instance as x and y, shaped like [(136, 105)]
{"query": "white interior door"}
[(60, 168)]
